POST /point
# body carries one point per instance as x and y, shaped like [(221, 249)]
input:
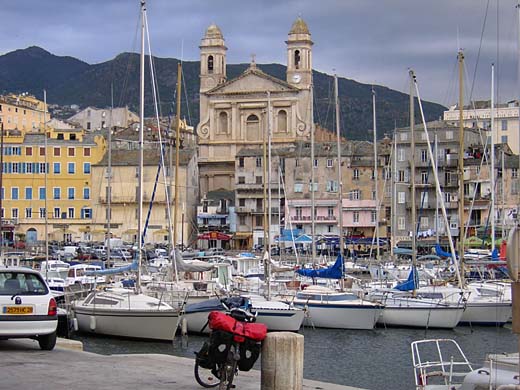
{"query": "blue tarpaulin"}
[(411, 283), (334, 272)]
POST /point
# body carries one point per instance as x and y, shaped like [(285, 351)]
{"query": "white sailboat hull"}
[(486, 313), (289, 320), (323, 315), (420, 316), (153, 325)]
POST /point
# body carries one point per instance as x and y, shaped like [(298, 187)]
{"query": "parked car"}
[(27, 307)]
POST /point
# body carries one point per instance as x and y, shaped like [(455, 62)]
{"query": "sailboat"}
[(328, 308), (407, 304), (124, 312)]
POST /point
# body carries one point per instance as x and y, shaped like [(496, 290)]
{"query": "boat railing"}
[(439, 363)]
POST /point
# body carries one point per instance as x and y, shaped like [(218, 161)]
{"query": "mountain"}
[(71, 81)]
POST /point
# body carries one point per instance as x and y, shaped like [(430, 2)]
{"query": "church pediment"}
[(252, 81)]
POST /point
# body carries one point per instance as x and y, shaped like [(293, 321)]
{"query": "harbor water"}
[(375, 359)]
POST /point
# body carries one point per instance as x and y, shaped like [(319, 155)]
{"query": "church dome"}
[(299, 27), (213, 31)]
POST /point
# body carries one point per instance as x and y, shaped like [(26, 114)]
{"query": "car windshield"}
[(21, 283)]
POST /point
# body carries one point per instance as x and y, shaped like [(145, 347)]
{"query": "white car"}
[(27, 307)]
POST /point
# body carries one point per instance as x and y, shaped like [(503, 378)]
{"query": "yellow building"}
[(60, 173), (22, 112)]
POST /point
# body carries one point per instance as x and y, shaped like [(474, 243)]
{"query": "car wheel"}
[(47, 341)]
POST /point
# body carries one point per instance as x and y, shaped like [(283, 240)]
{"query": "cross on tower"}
[(253, 63)]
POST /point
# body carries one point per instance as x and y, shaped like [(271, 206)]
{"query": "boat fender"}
[(92, 323), (184, 326), (75, 324)]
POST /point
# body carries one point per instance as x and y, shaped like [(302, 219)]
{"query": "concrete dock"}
[(25, 366)]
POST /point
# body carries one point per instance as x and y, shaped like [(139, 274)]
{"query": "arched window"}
[(282, 121), (252, 128), (297, 59), (210, 64), (223, 123)]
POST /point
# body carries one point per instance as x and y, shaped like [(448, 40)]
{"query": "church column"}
[(235, 130)]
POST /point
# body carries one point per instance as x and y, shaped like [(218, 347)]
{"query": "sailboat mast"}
[(269, 217), (412, 170), (376, 197), (46, 228), (141, 154), (109, 178), (460, 58), (313, 230), (340, 181), (436, 164), (177, 157), (492, 174), (394, 196), (518, 89)]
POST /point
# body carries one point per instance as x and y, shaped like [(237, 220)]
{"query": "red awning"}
[(214, 236)]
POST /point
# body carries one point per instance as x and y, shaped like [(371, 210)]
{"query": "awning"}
[(241, 235), (84, 229), (214, 236), (161, 231), (130, 231)]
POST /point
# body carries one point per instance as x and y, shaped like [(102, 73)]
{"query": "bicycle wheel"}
[(206, 377)]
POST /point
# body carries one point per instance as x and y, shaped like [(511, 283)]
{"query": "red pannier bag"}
[(221, 321)]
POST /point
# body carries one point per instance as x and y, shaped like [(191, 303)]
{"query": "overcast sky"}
[(371, 41)]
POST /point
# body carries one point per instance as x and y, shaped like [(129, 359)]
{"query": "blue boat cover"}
[(204, 306), (411, 283), (334, 272), (439, 252)]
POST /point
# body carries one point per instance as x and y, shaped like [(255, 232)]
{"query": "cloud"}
[(370, 41)]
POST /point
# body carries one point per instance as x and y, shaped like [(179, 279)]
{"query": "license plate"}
[(18, 310)]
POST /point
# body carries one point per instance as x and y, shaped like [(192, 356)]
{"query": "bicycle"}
[(234, 344)]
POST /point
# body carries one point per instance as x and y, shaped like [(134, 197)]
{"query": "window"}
[(330, 211), (355, 217), (401, 155), (242, 202), (332, 186), (355, 174), (297, 59), (354, 195), (86, 168), (70, 213), (241, 162), (242, 220), (424, 177), (42, 212), (86, 152), (14, 193), (56, 193), (282, 121), (504, 139), (71, 152), (57, 212), (86, 193), (71, 193), (449, 134), (401, 197), (14, 213), (210, 64), (330, 228), (329, 163), (403, 136), (424, 198), (373, 216), (297, 162), (2, 193), (258, 179), (424, 155), (373, 175), (313, 187), (504, 125), (86, 213), (57, 152), (298, 187), (28, 151), (373, 195), (259, 221), (315, 165), (42, 168), (28, 212), (400, 176), (41, 193), (57, 168), (514, 173), (28, 193), (241, 180), (424, 222), (259, 162), (42, 151), (223, 123), (401, 223), (71, 168), (88, 126)]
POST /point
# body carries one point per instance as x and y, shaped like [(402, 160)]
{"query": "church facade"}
[(238, 113)]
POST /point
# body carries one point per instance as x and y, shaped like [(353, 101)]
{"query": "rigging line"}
[(498, 56), (450, 91), (153, 77), (129, 61), (479, 51), (186, 98)]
